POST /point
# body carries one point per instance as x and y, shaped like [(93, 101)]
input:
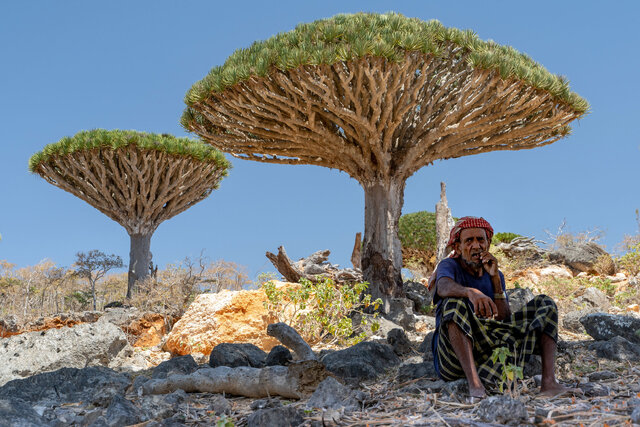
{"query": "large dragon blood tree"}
[(137, 179), (378, 97)]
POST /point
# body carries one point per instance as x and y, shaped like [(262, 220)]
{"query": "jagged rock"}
[(518, 298), (223, 317), (286, 416), (15, 412), (418, 293), (401, 313), (425, 347), (602, 375), (455, 388), (87, 344), (330, 394), (502, 409), (233, 355), (635, 415), (363, 361), (67, 385), (578, 256), (149, 329), (398, 340), (593, 297), (571, 320), (279, 355), (617, 348), (9, 326), (163, 405), (533, 366), (413, 371), (121, 412), (594, 389), (604, 326), (177, 365)]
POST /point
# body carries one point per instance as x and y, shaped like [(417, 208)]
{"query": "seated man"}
[(473, 316)]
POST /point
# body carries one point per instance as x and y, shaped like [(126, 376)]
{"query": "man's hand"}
[(489, 262), (483, 306)]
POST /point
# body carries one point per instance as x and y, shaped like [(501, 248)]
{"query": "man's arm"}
[(483, 306), (490, 264)]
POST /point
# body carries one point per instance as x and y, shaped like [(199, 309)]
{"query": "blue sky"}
[(74, 65)]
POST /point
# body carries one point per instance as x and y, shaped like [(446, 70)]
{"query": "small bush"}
[(503, 238), (604, 265), (320, 311), (631, 260)]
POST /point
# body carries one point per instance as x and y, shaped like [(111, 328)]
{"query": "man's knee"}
[(544, 301), (458, 305)]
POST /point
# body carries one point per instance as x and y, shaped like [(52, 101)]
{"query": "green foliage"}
[(511, 373), (348, 37), (320, 311), (224, 421), (418, 230), (114, 139), (503, 238), (631, 260)]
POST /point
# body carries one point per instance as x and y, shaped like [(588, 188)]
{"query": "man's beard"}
[(472, 264)]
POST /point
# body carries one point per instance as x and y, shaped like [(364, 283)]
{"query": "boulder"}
[(177, 365), (571, 320), (364, 361), (401, 313), (87, 344), (617, 348), (330, 394), (593, 297), (418, 293), (286, 416), (518, 298), (398, 340), (223, 317), (578, 256), (9, 326), (234, 355), (413, 371), (279, 355), (149, 329), (425, 346), (604, 326), (16, 412)]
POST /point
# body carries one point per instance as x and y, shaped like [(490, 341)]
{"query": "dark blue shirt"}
[(451, 268)]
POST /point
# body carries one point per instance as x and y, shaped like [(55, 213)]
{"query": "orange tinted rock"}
[(149, 330), (225, 317)]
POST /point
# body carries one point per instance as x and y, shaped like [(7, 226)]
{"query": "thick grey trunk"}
[(139, 260), (444, 224), (382, 252)]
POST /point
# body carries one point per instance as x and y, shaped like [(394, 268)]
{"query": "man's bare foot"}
[(557, 389), (477, 392)]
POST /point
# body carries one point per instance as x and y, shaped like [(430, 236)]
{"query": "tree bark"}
[(444, 224), (382, 252), (139, 260), (356, 255)]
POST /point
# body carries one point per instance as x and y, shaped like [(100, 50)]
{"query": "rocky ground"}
[(86, 372)]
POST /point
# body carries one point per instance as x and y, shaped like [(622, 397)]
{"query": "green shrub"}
[(320, 311), (418, 230), (503, 238), (631, 260)]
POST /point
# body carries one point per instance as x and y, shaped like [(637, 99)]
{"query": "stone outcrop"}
[(578, 256), (363, 361), (604, 326), (87, 344), (224, 317)]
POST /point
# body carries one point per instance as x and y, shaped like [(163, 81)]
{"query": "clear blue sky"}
[(73, 65)]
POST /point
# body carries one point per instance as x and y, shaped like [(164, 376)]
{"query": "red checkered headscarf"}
[(468, 222)]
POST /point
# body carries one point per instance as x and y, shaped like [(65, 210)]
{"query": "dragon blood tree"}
[(137, 179), (378, 97)]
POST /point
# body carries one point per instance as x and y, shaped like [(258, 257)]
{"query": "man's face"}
[(473, 241)]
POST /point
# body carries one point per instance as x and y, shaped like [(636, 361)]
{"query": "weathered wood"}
[(444, 224), (296, 381), (284, 265), (356, 254), (291, 339)]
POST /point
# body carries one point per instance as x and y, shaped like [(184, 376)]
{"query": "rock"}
[(401, 313), (286, 416), (593, 297), (425, 347), (364, 361), (602, 375), (555, 272), (578, 256), (604, 326), (122, 412), (503, 410), (398, 340), (279, 355), (571, 320), (9, 327), (177, 365), (149, 329), (635, 415), (413, 371), (533, 366), (87, 344), (223, 317), (455, 388), (66, 385), (15, 412), (418, 293), (234, 355), (162, 406), (594, 389), (617, 348), (330, 394), (265, 403), (518, 298), (423, 386)]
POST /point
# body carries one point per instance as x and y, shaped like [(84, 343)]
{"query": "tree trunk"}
[(139, 260), (382, 252)]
